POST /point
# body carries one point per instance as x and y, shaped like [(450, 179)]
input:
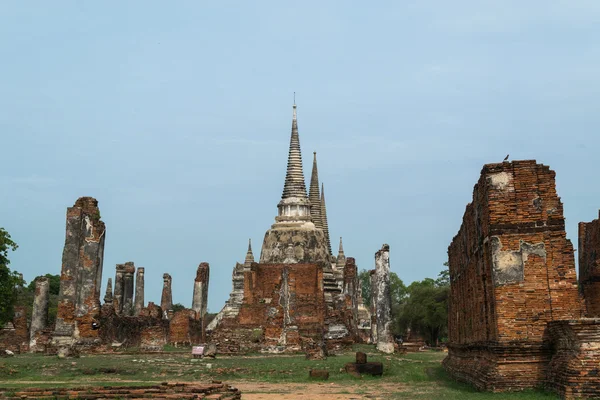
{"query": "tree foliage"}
[(54, 281), (426, 309), (397, 287), (9, 280), (421, 307)]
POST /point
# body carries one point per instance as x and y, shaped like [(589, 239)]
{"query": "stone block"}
[(361, 358), (319, 374)]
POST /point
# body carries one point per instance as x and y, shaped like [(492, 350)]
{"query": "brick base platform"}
[(498, 367), (574, 370), (214, 391)]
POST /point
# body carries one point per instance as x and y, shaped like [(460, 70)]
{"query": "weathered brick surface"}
[(39, 313), (15, 336), (512, 271), (148, 330), (589, 265), (286, 300), (166, 300), (574, 370), (185, 329), (81, 274), (200, 295), (165, 390), (350, 292)]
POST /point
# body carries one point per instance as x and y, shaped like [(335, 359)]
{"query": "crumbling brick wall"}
[(287, 300), (147, 331), (574, 370), (512, 271), (589, 266), (15, 336), (185, 329), (81, 274)]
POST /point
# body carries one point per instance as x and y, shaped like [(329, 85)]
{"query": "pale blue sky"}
[(176, 117)]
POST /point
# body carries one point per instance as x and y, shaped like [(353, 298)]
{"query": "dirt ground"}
[(313, 391)]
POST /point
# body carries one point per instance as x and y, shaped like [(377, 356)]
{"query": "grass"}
[(415, 376)]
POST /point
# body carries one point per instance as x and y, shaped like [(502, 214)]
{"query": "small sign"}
[(198, 351)]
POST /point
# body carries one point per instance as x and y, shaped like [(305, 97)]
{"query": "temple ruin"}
[(138, 303), (589, 266), (383, 300), (166, 300), (39, 313), (295, 294), (82, 323), (200, 296), (81, 275), (514, 308)]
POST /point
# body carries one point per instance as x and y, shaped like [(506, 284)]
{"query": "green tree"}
[(364, 279), (397, 287), (178, 307), (426, 308), (54, 281), (9, 280)]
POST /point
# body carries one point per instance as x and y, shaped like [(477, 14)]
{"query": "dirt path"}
[(285, 391), (316, 391)]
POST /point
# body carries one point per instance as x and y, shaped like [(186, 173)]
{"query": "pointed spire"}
[(340, 261), (108, 297), (249, 256), (324, 218), (294, 178), (314, 196)]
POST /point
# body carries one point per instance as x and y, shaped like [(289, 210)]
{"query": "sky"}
[(177, 116)]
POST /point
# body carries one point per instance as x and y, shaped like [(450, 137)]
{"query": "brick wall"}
[(185, 329), (589, 266), (512, 271), (286, 300), (15, 336)]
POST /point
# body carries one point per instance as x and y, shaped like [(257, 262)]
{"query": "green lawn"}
[(417, 375)]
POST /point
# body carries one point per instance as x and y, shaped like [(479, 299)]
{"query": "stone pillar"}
[(373, 305), (166, 301), (118, 294), (108, 296), (39, 314), (385, 342), (128, 288), (200, 299), (81, 272), (351, 290), (139, 291)]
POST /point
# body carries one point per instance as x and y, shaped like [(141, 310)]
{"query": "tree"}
[(9, 280), (364, 278), (54, 281), (178, 307), (397, 288), (426, 308)]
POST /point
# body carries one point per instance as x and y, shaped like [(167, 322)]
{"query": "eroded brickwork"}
[(15, 336), (589, 266), (512, 271), (200, 296), (39, 313), (574, 370), (165, 390), (351, 290), (139, 291), (81, 274), (166, 300), (383, 298), (287, 301), (185, 329)]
